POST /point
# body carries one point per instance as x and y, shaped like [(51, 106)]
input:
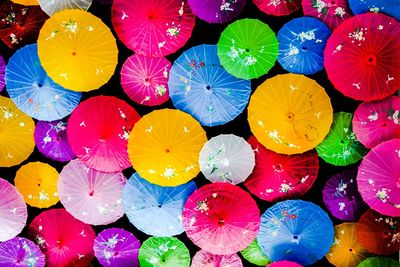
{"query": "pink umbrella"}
[(378, 178), (91, 196), (284, 264), (278, 7), (378, 121), (205, 259), (145, 79)]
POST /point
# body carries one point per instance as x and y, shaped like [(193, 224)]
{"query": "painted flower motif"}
[(339, 11), (169, 173), (160, 89), (226, 5), (342, 205), (293, 50), (374, 9), (233, 53), (373, 117), (173, 31), (70, 26), (202, 206), (285, 188), (382, 195), (274, 3), (358, 35), (250, 60), (320, 5)]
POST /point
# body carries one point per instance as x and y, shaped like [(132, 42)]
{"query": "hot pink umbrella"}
[(205, 259), (221, 218), (378, 178), (154, 28), (145, 79), (284, 264), (378, 121), (278, 7)]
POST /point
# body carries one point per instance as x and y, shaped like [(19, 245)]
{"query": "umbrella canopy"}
[(37, 182), (247, 48), (153, 209), (278, 176), (200, 86), (13, 211), (26, 2), (221, 218), (52, 7), (383, 230), (290, 114), (117, 247), (99, 144), (278, 7), (301, 45), (33, 91), (91, 196), (85, 45), (254, 254), (341, 147), (164, 147), (144, 79), (284, 264), (217, 11), (22, 252), (369, 44), (163, 252), (52, 141), (153, 28), (378, 121), (16, 134), (378, 178), (2, 72), (20, 24), (378, 262), (346, 251), (295, 230), (342, 198), (64, 240), (203, 258), (226, 158), (389, 7)]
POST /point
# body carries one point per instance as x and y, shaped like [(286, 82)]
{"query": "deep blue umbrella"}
[(389, 7)]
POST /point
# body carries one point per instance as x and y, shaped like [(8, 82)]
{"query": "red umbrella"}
[(278, 7), (20, 25), (369, 46)]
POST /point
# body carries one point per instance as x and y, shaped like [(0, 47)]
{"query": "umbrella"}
[(26, 2), (16, 134), (91, 196), (13, 211), (33, 91), (341, 147), (378, 121), (226, 158), (52, 141), (290, 114), (332, 13), (97, 142), (295, 230), (379, 262), (37, 182), (153, 209), (278, 176), (116, 247), (154, 28), (144, 79), (217, 11), (52, 7), (20, 25), (2, 72), (64, 240), (383, 231), (203, 258), (254, 254), (342, 198), (284, 264), (200, 86), (301, 45), (346, 251), (20, 251), (369, 45), (163, 252), (389, 7), (278, 7), (164, 147), (221, 218), (85, 45), (378, 178), (247, 48)]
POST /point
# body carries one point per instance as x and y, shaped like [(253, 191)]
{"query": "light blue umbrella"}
[(33, 91), (389, 7), (200, 86), (153, 209)]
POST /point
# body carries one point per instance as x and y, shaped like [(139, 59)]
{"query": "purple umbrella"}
[(217, 11), (117, 247), (21, 252), (51, 140), (2, 71), (342, 198)]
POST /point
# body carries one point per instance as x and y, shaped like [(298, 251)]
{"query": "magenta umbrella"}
[(2, 72), (21, 252), (217, 11), (205, 259)]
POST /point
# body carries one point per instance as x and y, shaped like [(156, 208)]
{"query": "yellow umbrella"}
[(26, 2), (346, 250), (16, 134), (164, 147), (37, 182), (77, 50), (290, 114)]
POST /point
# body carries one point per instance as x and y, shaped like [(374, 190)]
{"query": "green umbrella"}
[(254, 254), (247, 48), (163, 252), (379, 262), (341, 147)]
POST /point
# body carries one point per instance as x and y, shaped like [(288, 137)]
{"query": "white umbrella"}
[(53, 6)]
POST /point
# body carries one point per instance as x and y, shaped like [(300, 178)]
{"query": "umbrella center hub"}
[(167, 150), (247, 50), (58, 139), (278, 167), (151, 15), (290, 116), (371, 60), (116, 253), (91, 193), (73, 53), (304, 48), (295, 239), (208, 87), (386, 233), (221, 222), (147, 81)]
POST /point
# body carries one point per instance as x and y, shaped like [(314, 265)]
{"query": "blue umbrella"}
[(153, 209), (200, 86), (301, 45), (33, 91), (389, 7), (295, 230)]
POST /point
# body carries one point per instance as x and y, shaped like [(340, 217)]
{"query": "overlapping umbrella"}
[(217, 11), (389, 7), (203, 258), (284, 264), (22, 252), (379, 262), (52, 7), (26, 2), (254, 254), (2, 73), (278, 7)]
